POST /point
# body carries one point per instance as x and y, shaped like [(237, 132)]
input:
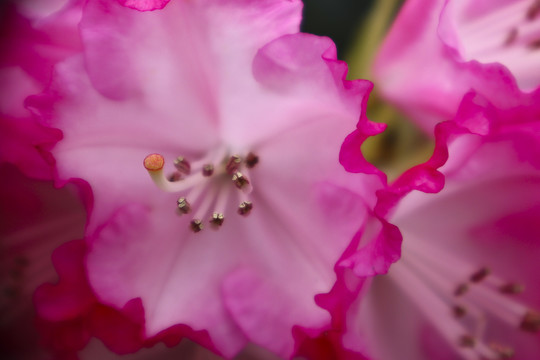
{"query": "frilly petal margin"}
[(477, 122), (465, 152), (379, 242), (69, 314), (144, 5), (420, 72)]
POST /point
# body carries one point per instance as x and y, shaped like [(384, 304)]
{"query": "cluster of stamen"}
[(526, 31), (456, 299), (217, 176)]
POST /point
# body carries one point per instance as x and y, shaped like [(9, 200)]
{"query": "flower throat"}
[(206, 183), (456, 296)]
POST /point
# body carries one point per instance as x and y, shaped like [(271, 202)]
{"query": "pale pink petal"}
[(187, 80), (419, 67)]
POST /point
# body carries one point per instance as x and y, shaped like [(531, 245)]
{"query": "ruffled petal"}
[(431, 88), (240, 81), (144, 5), (481, 217)]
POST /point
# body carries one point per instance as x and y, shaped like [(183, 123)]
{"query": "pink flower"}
[(437, 51), (33, 37), (467, 283), (36, 217), (239, 119)]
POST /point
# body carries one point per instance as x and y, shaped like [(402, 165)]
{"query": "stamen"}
[(512, 288), (217, 220), (432, 306), (430, 281), (194, 176), (196, 225), (459, 311), (533, 45), (533, 11), (175, 176), (467, 341), (202, 210), (504, 352), (233, 164), (208, 170), (182, 165), (480, 275), (501, 306), (240, 180), (461, 289), (184, 206), (512, 36), (251, 160), (245, 208), (530, 322)]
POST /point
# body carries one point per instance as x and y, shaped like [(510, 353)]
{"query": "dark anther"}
[(530, 322), (208, 170), (183, 206), (512, 288), (182, 165), (479, 275), (504, 352), (467, 341), (196, 225), (240, 180), (459, 311), (251, 160), (534, 45), (511, 37), (175, 176), (217, 219), (245, 208), (461, 289), (533, 10), (233, 164)]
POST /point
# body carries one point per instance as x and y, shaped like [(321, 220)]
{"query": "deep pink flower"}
[(34, 36), (230, 84), (468, 251), (438, 50), (36, 218)]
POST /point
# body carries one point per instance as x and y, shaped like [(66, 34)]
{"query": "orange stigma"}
[(154, 162)]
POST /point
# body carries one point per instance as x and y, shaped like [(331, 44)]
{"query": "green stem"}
[(369, 38)]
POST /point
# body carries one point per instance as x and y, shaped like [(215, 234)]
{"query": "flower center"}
[(508, 34), (206, 183), (456, 296)]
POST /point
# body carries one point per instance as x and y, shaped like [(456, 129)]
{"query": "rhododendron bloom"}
[(238, 119), (467, 285), (437, 51)]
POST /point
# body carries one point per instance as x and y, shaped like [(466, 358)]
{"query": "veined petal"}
[(459, 266), (227, 81), (426, 40)]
